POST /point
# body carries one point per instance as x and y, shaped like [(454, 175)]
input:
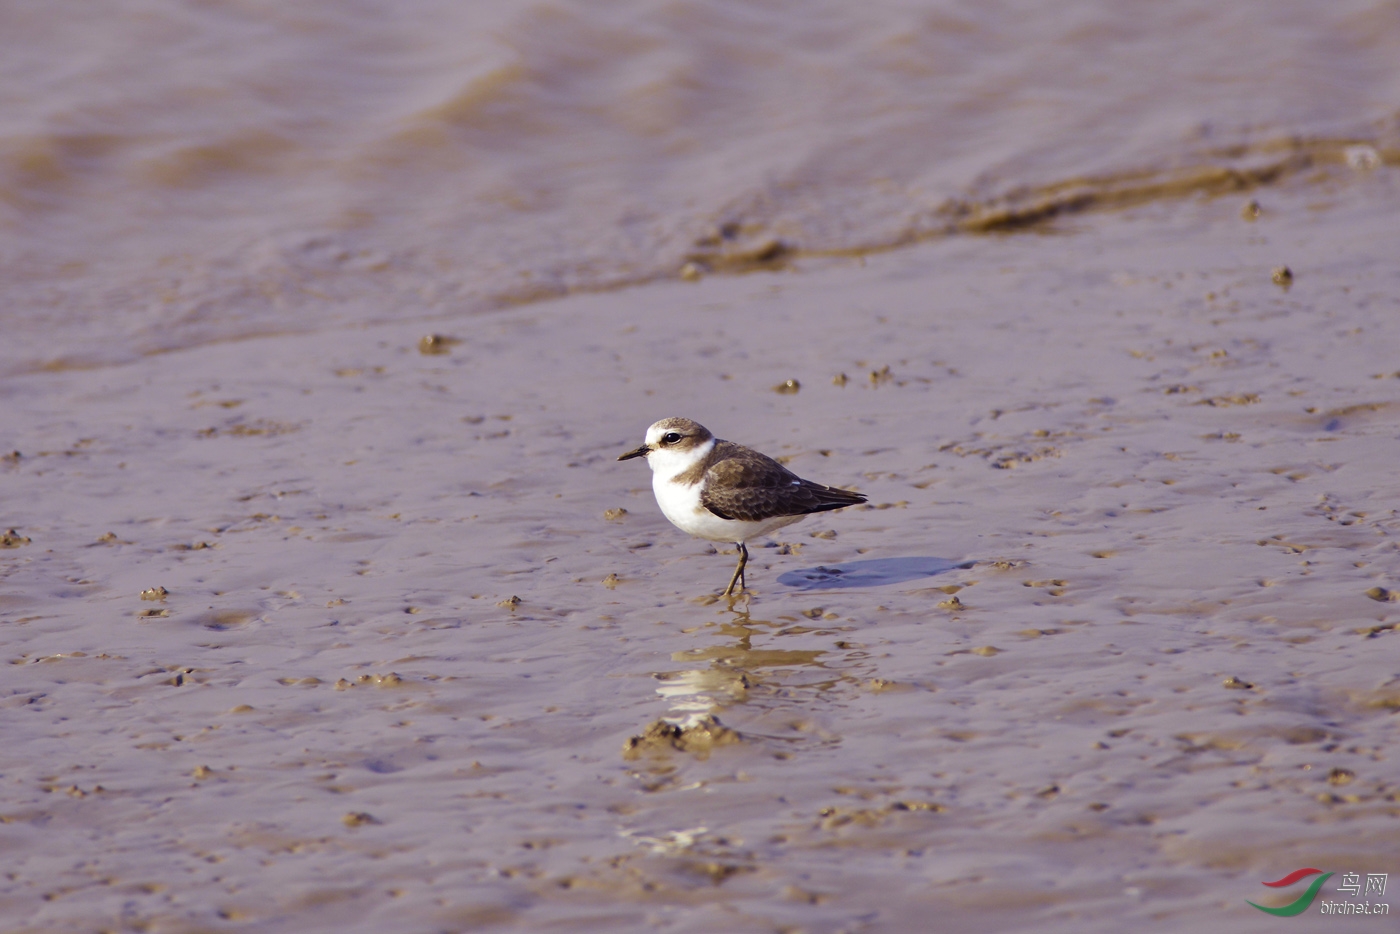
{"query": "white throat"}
[(668, 464)]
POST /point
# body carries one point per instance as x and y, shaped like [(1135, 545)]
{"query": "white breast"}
[(680, 503)]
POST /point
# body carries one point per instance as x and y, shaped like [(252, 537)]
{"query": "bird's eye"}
[(670, 437)]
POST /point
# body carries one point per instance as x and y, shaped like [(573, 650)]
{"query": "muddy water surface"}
[(174, 172), (309, 624), (1110, 645)]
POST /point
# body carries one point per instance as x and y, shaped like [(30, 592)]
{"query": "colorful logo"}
[(1304, 900)]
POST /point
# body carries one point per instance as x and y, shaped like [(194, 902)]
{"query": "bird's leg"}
[(738, 572)]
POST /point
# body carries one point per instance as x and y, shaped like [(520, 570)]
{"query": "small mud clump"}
[(12, 539), (435, 345), (700, 738)]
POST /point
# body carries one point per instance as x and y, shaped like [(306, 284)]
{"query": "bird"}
[(724, 492)]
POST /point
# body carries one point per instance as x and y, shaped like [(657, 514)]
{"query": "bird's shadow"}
[(875, 572)]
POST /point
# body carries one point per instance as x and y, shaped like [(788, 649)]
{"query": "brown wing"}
[(751, 487)]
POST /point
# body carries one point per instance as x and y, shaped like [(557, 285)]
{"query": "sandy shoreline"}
[(1166, 471)]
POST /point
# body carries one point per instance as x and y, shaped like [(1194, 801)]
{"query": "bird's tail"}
[(828, 497)]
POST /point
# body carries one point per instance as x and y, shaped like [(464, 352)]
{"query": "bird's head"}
[(673, 441)]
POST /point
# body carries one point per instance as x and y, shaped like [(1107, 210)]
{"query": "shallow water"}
[(174, 172), (310, 624), (1158, 485)]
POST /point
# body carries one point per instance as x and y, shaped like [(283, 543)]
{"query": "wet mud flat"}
[(338, 631)]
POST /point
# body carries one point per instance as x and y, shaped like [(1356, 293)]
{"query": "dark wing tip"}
[(827, 498)]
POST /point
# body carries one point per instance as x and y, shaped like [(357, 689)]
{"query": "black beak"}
[(642, 451)]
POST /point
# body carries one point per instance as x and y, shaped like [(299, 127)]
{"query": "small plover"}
[(725, 492)]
